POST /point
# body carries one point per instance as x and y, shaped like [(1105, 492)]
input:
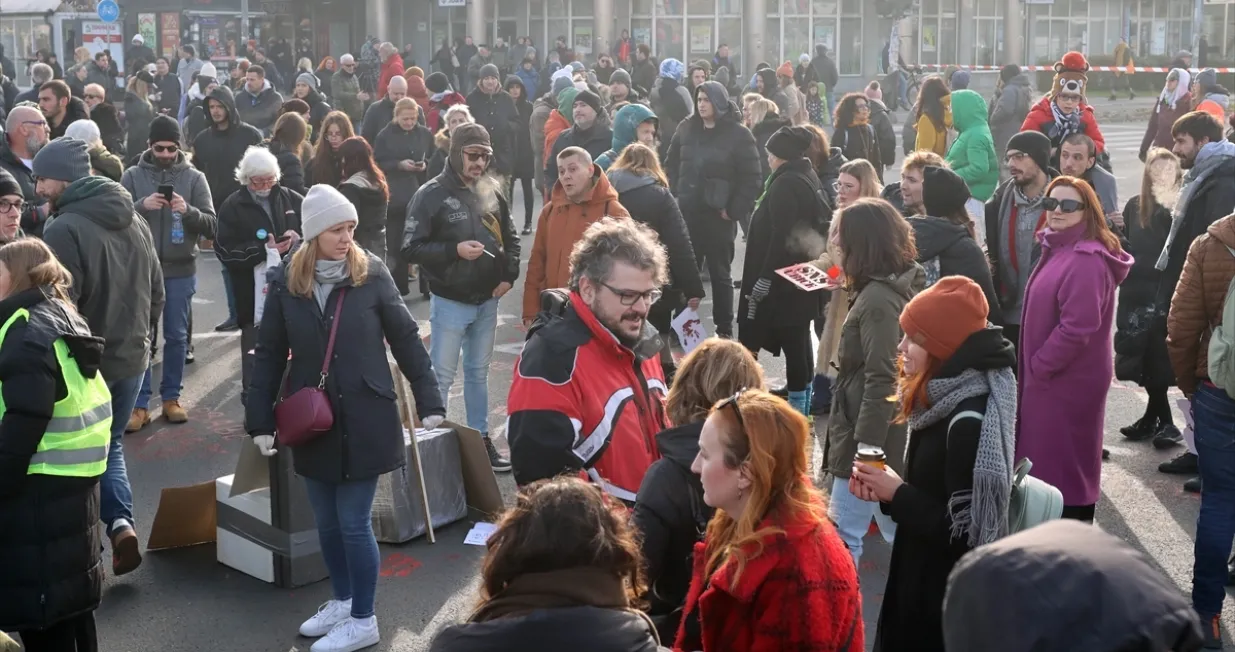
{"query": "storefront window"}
[(22, 36), (1216, 26), (688, 30), (668, 38), (849, 46), (808, 23)]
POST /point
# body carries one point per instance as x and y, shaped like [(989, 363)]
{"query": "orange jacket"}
[(561, 224), (554, 127)]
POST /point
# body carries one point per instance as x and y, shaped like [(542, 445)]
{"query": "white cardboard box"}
[(236, 551)]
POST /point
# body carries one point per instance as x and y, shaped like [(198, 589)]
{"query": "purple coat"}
[(1065, 361)]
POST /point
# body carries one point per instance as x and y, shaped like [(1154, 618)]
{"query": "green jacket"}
[(972, 155), (625, 123), (344, 87), (861, 411)]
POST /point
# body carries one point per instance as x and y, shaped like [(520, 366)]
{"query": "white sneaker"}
[(328, 615), (350, 635)]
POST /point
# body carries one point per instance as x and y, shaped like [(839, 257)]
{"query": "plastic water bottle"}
[(177, 228)]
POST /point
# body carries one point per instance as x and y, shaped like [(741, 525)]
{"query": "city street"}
[(183, 600)]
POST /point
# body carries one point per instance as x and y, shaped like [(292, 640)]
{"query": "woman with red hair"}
[(958, 395), (1066, 361), (771, 574)]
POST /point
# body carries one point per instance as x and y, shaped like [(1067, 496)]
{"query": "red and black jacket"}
[(583, 402)]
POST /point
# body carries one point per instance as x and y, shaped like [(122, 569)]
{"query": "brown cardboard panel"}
[(186, 517), (478, 478), (252, 469)]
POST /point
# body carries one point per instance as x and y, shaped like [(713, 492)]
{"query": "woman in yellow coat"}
[(933, 116)]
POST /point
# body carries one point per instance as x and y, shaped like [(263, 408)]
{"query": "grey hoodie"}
[(179, 260), (117, 280)]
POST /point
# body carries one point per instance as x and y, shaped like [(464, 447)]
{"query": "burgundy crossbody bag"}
[(306, 414)]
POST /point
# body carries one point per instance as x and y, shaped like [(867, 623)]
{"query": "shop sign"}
[(169, 34)]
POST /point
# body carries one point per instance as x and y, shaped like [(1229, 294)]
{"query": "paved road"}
[(183, 600)]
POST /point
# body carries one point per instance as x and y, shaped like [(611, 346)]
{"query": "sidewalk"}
[(1121, 109)]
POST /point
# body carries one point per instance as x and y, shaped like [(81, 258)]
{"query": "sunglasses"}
[(1064, 205), (737, 409), (473, 157), (92, 96), (166, 148)]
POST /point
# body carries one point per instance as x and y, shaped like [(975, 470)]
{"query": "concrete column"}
[(602, 34), (1013, 33), (377, 19), (754, 21), (477, 28)]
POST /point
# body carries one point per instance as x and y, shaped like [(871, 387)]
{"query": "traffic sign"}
[(108, 10)]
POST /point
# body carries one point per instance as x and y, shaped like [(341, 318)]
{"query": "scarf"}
[(326, 275), (982, 511), (567, 587), (1064, 125), (1208, 159), (1170, 98)]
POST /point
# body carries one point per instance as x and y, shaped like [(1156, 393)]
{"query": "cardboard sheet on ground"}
[(186, 517), (690, 329)]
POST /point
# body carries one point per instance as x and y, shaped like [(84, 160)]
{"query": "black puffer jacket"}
[(498, 114), (291, 168), (367, 438), (217, 152), (829, 173), (671, 517), (370, 201), (650, 203), (240, 217), (524, 165), (444, 213), (762, 132), (709, 168), (51, 566), (394, 145), (74, 111), (947, 249), (1140, 347), (594, 629)]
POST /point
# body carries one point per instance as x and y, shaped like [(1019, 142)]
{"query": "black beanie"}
[(437, 82), (589, 98), (8, 184), (944, 192), (164, 128), (1009, 71), (1035, 144), (789, 143)]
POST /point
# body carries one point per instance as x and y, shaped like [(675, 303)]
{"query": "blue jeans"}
[(116, 496), (456, 326), (852, 516), (1214, 415), (345, 530), (175, 327), (902, 88), (231, 295)]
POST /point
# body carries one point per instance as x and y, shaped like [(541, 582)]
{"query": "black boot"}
[(1143, 429), (1184, 464), (1168, 437)]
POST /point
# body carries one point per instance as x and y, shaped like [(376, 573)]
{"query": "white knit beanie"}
[(322, 209)]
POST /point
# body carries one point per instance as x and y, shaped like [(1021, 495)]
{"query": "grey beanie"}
[(562, 83), (323, 208), (308, 79), (960, 80), (489, 70), (1206, 78), (620, 76), (578, 66), (63, 159)]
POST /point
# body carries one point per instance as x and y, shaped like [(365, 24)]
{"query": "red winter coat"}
[(1041, 118), (391, 69), (799, 594)]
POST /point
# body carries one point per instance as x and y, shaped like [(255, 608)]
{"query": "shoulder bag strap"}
[(853, 628), (334, 330)]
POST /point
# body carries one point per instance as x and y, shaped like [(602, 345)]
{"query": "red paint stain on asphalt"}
[(399, 565), (204, 435)]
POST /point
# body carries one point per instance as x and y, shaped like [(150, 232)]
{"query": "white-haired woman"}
[(261, 214), (332, 285), (454, 116), (103, 162)]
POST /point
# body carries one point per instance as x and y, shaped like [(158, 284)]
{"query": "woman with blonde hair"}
[(764, 119), (52, 570), (326, 165), (643, 189), (670, 513), (771, 573), (333, 307), (857, 179), (138, 113), (562, 572)]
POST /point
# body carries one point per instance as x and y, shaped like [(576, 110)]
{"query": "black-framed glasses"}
[(37, 123), (737, 409), (629, 297), (1065, 205), (17, 206), (171, 149), (473, 157)]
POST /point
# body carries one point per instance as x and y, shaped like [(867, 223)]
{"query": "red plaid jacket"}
[(800, 594)]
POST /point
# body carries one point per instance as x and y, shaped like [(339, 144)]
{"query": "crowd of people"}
[(962, 329)]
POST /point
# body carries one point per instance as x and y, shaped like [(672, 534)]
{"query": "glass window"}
[(851, 8), (557, 28), (581, 7), (989, 8), (826, 8), (669, 38), (797, 40), (701, 7), (731, 35), (556, 9), (730, 8), (641, 32), (581, 37), (825, 33), (849, 46), (773, 7), (669, 7), (797, 7), (930, 7), (641, 8), (771, 40), (985, 43), (536, 8), (701, 39)]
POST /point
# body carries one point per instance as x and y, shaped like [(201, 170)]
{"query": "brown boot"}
[(138, 420), (126, 554), (173, 412)]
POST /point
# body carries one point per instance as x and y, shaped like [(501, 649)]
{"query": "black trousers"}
[(1159, 406), (712, 237), (794, 341), (529, 200), (396, 218), (76, 634), (1012, 333), (1079, 512)]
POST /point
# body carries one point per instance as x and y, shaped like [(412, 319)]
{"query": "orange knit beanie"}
[(942, 317)]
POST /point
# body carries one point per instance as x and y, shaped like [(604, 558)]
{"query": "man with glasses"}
[(93, 95), (588, 390), (25, 133), (458, 230), (59, 106), (345, 89), (177, 224), (12, 203)]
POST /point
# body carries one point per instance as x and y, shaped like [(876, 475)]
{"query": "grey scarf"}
[(1210, 157), (983, 512), (1065, 124), (326, 275)]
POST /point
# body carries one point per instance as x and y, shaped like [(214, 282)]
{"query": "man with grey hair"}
[(392, 65), (40, 73), (591, 351), (25, 133), (345, 89)]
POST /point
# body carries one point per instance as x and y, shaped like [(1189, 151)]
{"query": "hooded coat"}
[(259, 109), (972, 155), (1198, 302), (530, 77), (217, 152), (179, 260), (625, 123), (1065, 586), (651, 204), (51, 565), (137, 113), (318, 110), (931, 136), (107, 118), (542, 109), (1009, 110), (946, 249), (95, 228), (762, 132), (105, 163), (672, 103), (825, 67), (417, 90), (1164, 115), (498, 114), (773, 91), (595, 139), (1065, 360)]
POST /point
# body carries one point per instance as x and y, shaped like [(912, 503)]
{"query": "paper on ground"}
[(1185, 406), (690, 329), (480, 533)]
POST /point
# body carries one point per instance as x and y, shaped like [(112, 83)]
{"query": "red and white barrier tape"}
[(1052, 68)]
